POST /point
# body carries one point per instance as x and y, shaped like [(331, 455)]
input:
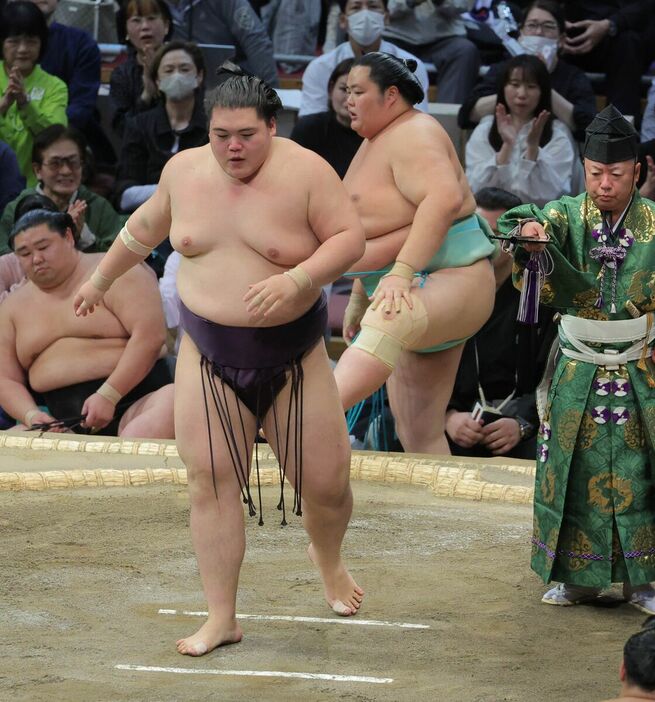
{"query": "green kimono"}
[(594, 504)]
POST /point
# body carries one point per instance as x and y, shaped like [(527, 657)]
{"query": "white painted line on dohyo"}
[(255, 673), (310, 620)]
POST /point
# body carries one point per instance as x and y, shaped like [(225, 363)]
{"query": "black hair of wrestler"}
[(639, 659), (238, 89), (387, 70), (32, 212)]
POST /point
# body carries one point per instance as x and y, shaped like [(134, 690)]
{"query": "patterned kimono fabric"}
[(594, 504)]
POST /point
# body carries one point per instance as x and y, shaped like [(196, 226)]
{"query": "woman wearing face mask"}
[(329, 133), (542, 34), (146, 25), (176, 123), (521, 148)]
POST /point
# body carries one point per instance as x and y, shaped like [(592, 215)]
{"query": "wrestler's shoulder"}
[(298, 157), (418, 127), (188, 158), (16, 302)]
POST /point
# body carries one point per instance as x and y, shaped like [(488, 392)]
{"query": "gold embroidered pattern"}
[(588, 431), (548, 486), (573, 544), (610, 494), (633, 434), (567, 428), (643, 544)]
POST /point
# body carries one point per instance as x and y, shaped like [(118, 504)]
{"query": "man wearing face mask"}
[(176, 123), (364, 21), (435, 30), (542, 33)]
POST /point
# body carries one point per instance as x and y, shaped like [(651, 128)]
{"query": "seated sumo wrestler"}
[(106, 366)]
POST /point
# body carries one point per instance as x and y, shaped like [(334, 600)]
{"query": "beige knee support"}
[(385, 339)]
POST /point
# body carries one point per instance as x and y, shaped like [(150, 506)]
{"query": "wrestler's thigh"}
[(419, 390), (458, 302), (191, 420), (325, 441), (153, 412)]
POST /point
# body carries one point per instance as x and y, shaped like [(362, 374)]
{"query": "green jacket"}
[(48, 98), (100, 217)]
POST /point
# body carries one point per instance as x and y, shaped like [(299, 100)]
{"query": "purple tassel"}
[(530, 291)]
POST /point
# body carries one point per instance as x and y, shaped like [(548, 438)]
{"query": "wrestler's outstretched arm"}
[(335, 223), (147, 226)]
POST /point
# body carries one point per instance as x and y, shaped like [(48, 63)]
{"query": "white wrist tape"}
[(109, 393), (300, 277)]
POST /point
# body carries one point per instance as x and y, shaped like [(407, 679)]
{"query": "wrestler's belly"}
[(73, 360), (214, 288)]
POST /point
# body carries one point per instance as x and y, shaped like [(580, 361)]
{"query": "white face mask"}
[(365, 27), (178, 86), (543, 47)]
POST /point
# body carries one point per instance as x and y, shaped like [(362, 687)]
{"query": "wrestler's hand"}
[(534, 230), (463, 429), (98, 410), (390, 292), (88, 296), (355, 309), (501, 436), (45, 418), (269, 295)]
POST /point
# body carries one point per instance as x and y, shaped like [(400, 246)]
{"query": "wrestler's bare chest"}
[(372, 188), (44, 319), (263, 217)]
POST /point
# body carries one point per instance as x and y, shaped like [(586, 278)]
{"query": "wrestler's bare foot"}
[(211, 635), (341, 592)]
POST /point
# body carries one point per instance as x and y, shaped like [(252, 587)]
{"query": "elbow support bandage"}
[(385, 339), (133, 244)]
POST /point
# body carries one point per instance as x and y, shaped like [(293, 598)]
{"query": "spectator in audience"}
[(11, 180), (293, 26), (174, 124), (364, 21), (542, 34), (73, 56), (58, 162), (227, 22), (637, 671), (100, 373), (31, 98), (609, 37), (648, 122), (521, 148), (145, 25), (646, 182), (328, 133), (434, 30), (500, 366)]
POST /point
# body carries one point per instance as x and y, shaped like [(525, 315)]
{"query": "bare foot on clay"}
[(209, 637), (341, 592)]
